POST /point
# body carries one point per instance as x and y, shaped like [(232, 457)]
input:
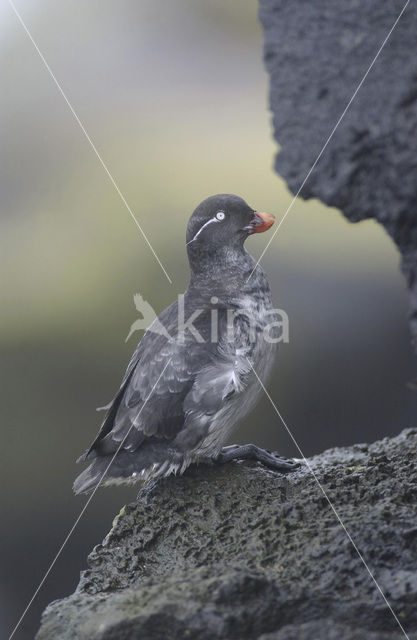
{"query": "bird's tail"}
[(91, 477), (128, 467)]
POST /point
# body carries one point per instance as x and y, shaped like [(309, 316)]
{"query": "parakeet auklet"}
[(186, 387)]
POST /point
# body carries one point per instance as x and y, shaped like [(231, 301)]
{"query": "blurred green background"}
[(174, 95)]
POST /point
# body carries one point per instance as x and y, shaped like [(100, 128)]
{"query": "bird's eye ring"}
[(220, 215)]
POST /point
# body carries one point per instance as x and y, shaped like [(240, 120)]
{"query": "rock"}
[(237, 551), (316, 55)]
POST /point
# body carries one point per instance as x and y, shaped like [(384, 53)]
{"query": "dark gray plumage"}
[(181, 397)]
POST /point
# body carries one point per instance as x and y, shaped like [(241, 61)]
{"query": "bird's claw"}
[(252, 452)]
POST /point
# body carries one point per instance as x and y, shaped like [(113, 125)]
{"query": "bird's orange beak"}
[(263, 221)]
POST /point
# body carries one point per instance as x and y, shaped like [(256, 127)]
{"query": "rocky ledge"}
[(237, 551), (316, 54)]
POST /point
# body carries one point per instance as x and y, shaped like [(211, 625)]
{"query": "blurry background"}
[(175, 98)]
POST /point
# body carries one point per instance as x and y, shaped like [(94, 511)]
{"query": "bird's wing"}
[(214, 386), (217, 382), (171, 389), (150, 400)]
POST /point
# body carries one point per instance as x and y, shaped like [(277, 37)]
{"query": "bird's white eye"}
[(220, 215)]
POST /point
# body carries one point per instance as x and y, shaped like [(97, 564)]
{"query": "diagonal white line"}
[(328, 500), (290, 206), (60, 550), (103, 164)]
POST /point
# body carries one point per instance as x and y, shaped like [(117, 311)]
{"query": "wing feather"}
[(198, 379), (143, 407)]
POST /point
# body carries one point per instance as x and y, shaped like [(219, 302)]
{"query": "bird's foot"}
[(252, 452)]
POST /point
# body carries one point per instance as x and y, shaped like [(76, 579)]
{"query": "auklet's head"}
[(223, 222)]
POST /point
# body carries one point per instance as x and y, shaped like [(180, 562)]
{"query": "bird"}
[(186, 389)]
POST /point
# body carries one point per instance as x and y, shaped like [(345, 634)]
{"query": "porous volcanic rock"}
[(316, 54), (237, 551)]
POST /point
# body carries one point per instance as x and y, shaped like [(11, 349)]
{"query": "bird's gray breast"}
[(251, 346)]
